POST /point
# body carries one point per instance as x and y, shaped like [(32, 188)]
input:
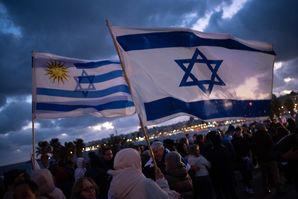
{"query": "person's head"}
[(231, 130), (169, 144), (261, 127), (158, 150), (127, 158), (238, 131), (107, 154), (14, 176), (214, 137), (84, 188), (173, 160), (26, 189), (194, 149), (44, 179)]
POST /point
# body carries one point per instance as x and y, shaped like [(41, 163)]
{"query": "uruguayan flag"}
[(67, 87), (175, 71)]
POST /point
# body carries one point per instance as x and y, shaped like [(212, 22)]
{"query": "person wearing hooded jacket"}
[(47, 189), (129, 182), (177, 175), (81, 169)]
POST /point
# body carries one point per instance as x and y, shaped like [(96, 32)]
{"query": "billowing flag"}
[(67, 87), (175, 71)]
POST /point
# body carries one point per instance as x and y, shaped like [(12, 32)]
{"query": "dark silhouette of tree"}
[(289, 104), (44, 150), (57, 148), (275, 107), (79, 146), (68, 151)]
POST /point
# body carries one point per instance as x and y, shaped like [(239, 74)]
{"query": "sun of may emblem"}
[(57, 71)]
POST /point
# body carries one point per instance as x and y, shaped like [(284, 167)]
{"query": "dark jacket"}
[(263, 147)]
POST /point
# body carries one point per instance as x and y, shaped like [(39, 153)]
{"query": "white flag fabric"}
[(177, 71), (68, 87)]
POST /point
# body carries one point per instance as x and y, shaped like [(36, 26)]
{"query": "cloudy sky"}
[(76, 28)]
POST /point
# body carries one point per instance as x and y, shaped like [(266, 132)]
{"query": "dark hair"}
[(11, 175), (214, 137), (104, 150), (78, 188), (31, 184)]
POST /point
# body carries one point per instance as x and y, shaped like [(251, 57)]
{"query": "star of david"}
[(213, 65), (83, 79)]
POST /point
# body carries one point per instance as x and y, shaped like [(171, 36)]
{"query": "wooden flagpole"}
[(33, 146), (33, 117), (127, 80)]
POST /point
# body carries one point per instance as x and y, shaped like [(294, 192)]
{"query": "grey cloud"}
[(75, 29), (288, 70), (14, 116), (274, 22), (2, 100), (126, 122)]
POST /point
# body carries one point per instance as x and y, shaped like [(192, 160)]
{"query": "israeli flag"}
[(68, 87), (176, 71)]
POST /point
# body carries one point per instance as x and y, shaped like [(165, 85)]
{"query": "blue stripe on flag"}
[(208, 109), (177, 39), (65, 108), (89, 65), (82, 94), (101, 78)]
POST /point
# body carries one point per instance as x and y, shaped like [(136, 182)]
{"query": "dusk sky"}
[(75, 28)]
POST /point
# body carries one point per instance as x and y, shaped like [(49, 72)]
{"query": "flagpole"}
[(33, 118), (127, 80), (33, 145)]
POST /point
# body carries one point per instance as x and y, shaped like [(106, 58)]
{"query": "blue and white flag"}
[(175, 71), (67, 87)]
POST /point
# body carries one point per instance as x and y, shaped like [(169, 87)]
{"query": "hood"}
[(44, 179)]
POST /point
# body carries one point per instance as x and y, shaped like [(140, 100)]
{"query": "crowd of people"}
[(198, 166)]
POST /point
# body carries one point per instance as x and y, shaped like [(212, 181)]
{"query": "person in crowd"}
[(200, 140), (200, 166), (105, 165), (47, 189), (145, 156), (221, 171), (159, 152), (95, 171), (177, 175), (243, 158), (291, 126), (85, 188), (26, 189), (169, 144), (12, 177), (278, 132), (287, 149), (107, 161), (263, 148), (182, 147), (128, 181), (63, 174), (81, 169), (246, 132)]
